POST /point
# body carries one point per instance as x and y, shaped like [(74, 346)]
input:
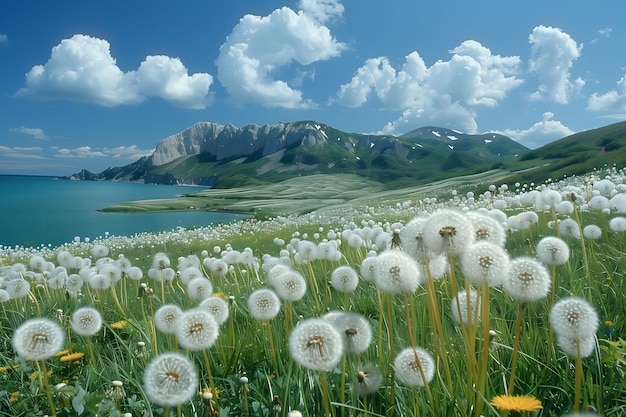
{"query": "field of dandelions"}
[(502, 301)]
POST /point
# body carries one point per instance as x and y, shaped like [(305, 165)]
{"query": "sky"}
[(94, 84)]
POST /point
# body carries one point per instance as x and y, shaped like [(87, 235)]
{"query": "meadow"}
[(500, 300)]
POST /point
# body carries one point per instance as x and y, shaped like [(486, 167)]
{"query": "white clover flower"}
[(344, 279), (316, 344), (199, 288), (170, 379), (407, 365), (396, 272), (263, 304), (483, 263), (461, 311), (290, 285), (218, 307), (574, 318), (38, 339), (448, 231), (166, 318), (527, 280), (197, 329), (356, 331), (552, 250), (86, 321)]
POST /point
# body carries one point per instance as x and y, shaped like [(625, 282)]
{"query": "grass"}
[(472, 365)]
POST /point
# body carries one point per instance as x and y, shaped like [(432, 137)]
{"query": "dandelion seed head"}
[(316, 344), (460, 308), (263, 304), (552, 250), (86, 321), (166, 318), (407, 367), (290, 285), (38, 339), (526, 280), (170, 379), (585, 346), (448, 231), (218, 307), (344, 279), (356, 331), (574, 318), (484, 263), (396, 272), (197, 329)]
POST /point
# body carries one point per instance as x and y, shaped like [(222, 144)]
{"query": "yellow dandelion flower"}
[(608, 323), (72, 357), (6, 368), (213, 391), (119, 325), (62, 353), (35, 374), (220, 294), (516, 402)]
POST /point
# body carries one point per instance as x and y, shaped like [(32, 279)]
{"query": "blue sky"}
[(94, 84)]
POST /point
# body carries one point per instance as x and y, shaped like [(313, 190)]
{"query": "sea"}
[(38, 210)]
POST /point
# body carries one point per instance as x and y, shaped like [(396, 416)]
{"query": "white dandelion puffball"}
[(569, 228), (552, 250), (263, 304), (483, 263), (218, 307), (585, 346), (356, 331), (487, 228), (407, 365), (38, 339), (344, 279), (574, 318), (170, 379), (461, 310), (367, 268), (411, 236), (396, 272), (199, 288), (316, 344), (197, 329), (18, 288), (166, 318), (86, 321), (593, 232), (448, 231), (290, 285), (618, 224), (526, 279)]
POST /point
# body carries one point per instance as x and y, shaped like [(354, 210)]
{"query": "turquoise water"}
[(42, 210)]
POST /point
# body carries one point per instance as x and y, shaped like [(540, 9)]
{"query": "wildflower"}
[(591, 231), (569, 228), (120, 325), (219, 268), (487, 228), (86, 321), (574, 318), (618, 224), (604, 186), (368, 380), (4, 296), (99, 282), (583, 347), (199, 288), (99, 251), (170, 379), (166, 318), (38, 339), (552, 250), (74, 282), (189, 274), (618, 203), (396, 272), (459, 306), (263, 304), (217, 306), (551, 198), (316, 344), (526, 280), (290, 285), (356, 331), (72, 357), (18, 288), (408, 363), (448, 231), (517, 403), (599, 203), (483, 263), (135, 273), (344, 279), (438, 266), (367, 268), (307, 250), (160, 261), (411, 236), (197, 329), (276, 271)]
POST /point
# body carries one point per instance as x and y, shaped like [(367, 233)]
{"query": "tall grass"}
[(473, 362)]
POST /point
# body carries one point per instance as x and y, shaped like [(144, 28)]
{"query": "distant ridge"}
[(226, 156)]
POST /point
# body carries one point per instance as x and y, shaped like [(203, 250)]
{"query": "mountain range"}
[(225, 156)]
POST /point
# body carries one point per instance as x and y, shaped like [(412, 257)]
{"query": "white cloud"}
[(606, 32), (120, 152), (553, 53), (322, 10), (35, 132), (82, 69), (447, 93), (540, 133), (612, 101), (18, 152), (259, 46), (4, 39)]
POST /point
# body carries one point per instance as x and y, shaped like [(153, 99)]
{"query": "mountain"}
[(225, 156)]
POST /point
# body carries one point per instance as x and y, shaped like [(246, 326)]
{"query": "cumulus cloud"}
[(35, 132), (553, 53), (120, 152), (446, 93), (612, 101), (540, 133), (82, 69), (259, 46)]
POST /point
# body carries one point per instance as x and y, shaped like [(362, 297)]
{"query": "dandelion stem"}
[(325, 400), (46, 384), (579, 376)]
